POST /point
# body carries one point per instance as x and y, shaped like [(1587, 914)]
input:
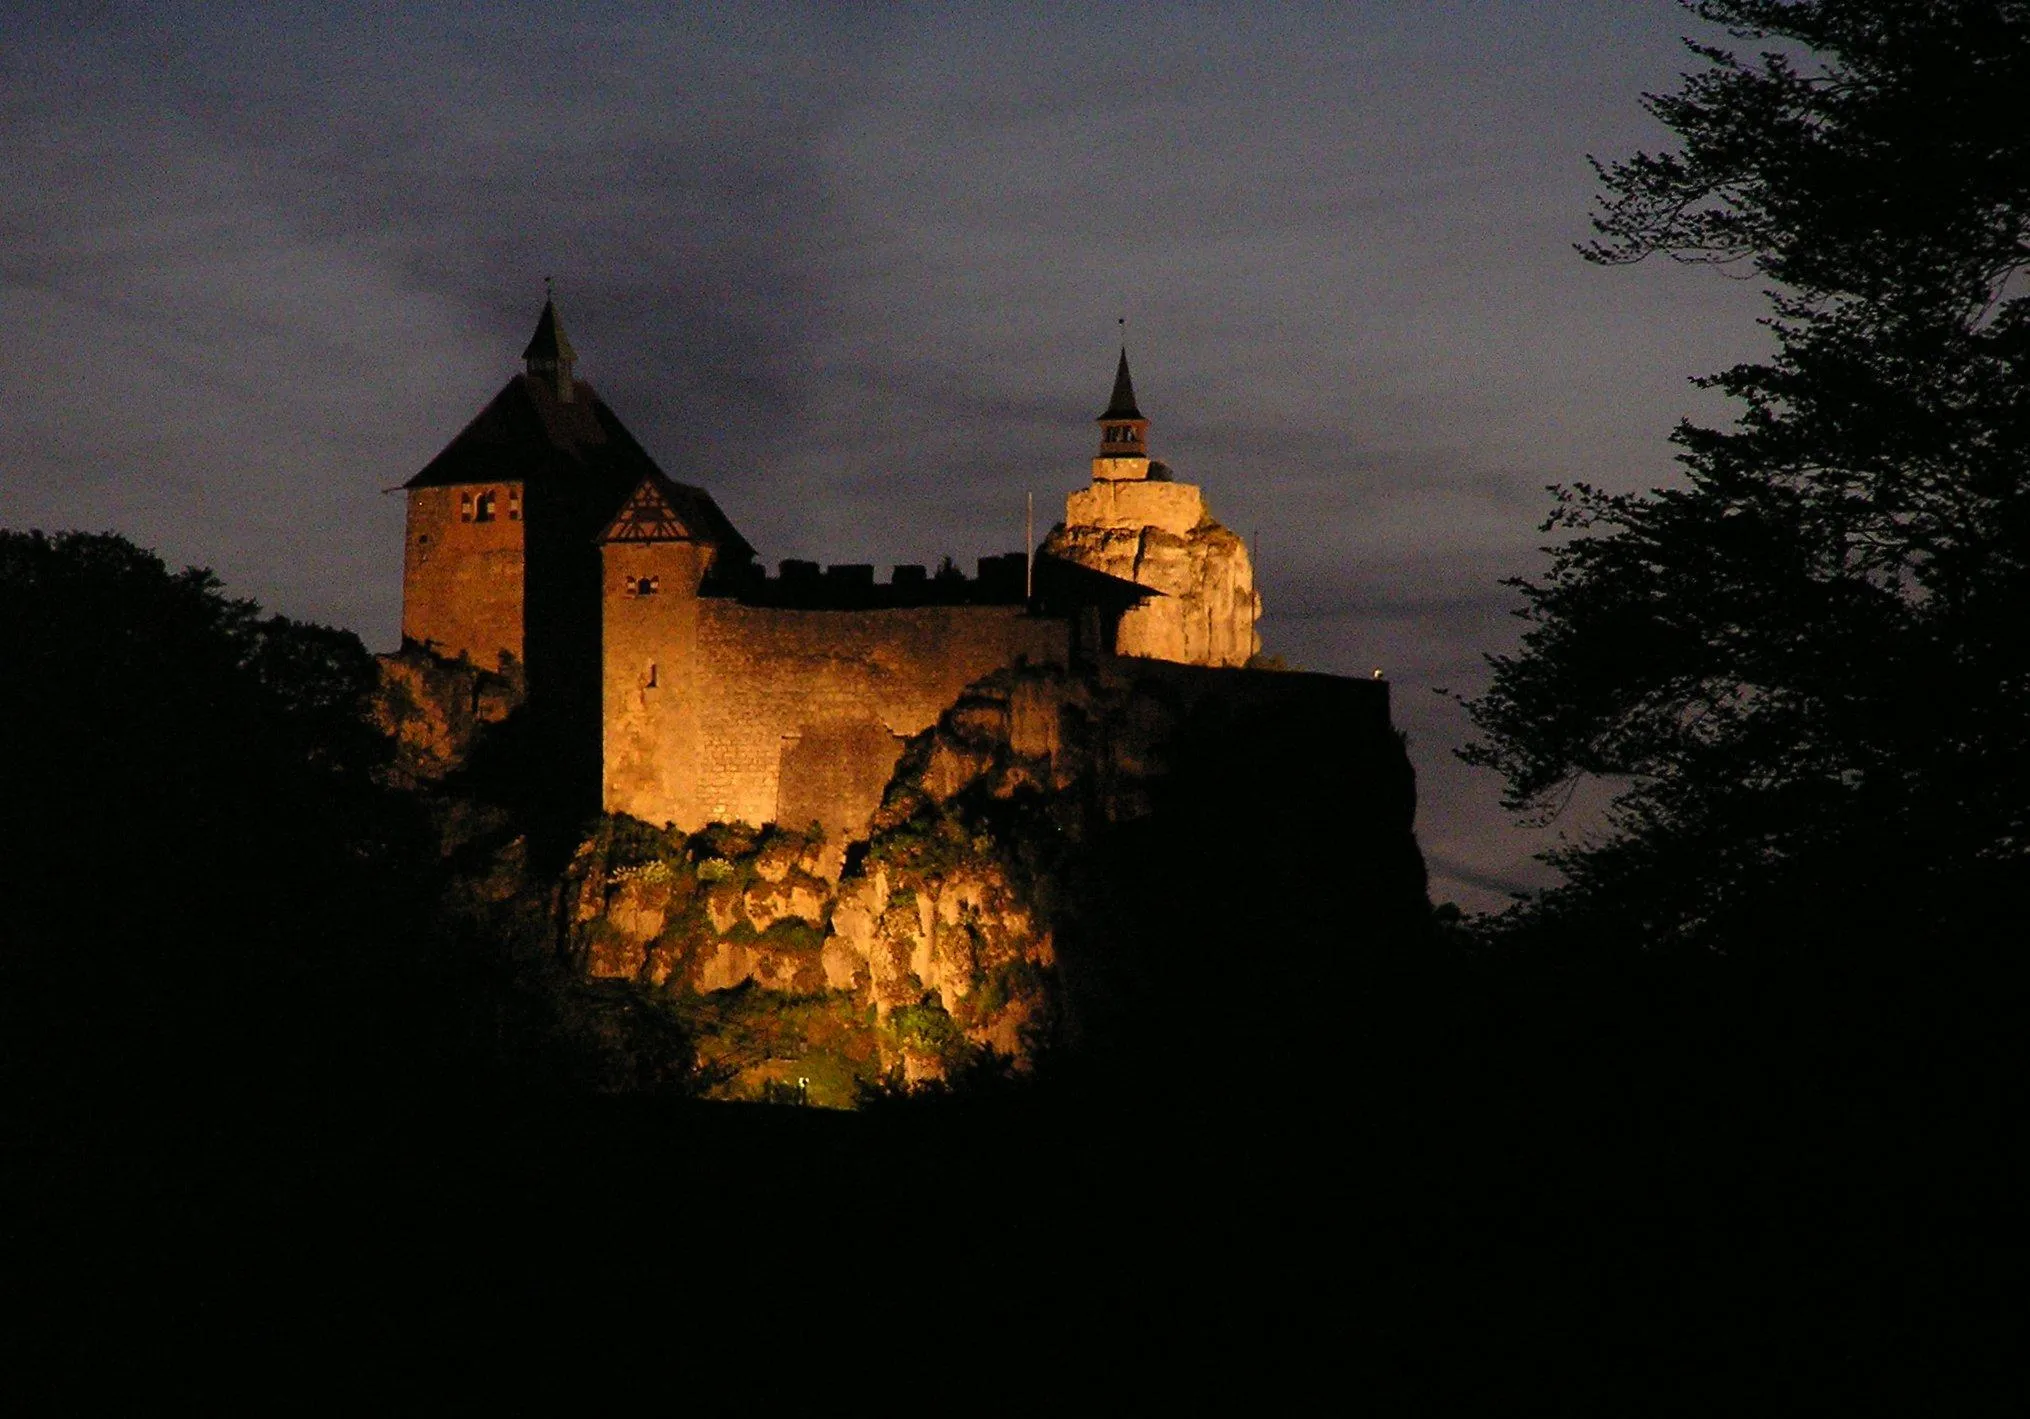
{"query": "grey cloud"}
[(856, 268)]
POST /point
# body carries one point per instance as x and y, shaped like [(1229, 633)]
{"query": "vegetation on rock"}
[(1045, 806)]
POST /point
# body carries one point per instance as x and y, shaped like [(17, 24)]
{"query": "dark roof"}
[(549, 342), (1063, 585), (1122, 405), (528, 434)]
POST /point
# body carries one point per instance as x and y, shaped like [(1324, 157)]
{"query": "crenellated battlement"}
[(671, 676), (802, 585)]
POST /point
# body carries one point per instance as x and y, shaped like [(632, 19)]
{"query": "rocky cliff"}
[(1160, 535), (434, 709), (1063, 862)]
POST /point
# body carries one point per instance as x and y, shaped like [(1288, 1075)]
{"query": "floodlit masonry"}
[(666, 676)]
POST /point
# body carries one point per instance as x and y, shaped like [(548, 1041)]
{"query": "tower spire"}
[(549, 356), (1122, 405), (1124, 432)]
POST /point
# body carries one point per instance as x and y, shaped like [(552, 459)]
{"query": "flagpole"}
[(1029, 547)]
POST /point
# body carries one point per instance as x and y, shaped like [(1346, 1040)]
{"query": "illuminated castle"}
[(669, 677)]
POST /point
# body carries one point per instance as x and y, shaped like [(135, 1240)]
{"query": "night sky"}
[(857, 270)]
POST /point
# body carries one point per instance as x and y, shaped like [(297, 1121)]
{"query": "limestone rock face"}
[(1065, 853), (791, 898), (1160, 535)]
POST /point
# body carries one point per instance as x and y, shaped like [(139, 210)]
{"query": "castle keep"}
[(667, 676)]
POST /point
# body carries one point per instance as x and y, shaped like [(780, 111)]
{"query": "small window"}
[(650, 683), (483, 512), (514, 504), (465, 507), (644, 585)]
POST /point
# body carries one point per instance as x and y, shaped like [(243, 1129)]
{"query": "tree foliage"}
[(206, 886), (1808, 663)]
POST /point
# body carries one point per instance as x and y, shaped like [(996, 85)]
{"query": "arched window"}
[(483, 510), (465, 507)]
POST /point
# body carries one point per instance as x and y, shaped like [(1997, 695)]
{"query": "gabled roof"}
[(648, 515), (662, 510), (528, 435), (1122, 405)]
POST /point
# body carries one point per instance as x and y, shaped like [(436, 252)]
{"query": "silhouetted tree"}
[(205, 885), (208, 889), (1810, 663)]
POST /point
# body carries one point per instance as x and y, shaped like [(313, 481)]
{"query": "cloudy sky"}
[(857, 269)]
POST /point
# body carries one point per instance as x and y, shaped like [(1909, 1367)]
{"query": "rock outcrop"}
[(1160, 535), (1062, 850), (435, 708), (905, 971)]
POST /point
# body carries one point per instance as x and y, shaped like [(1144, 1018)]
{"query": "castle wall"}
[(763, 714), (463, 583)]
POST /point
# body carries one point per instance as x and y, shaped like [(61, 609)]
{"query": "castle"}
[(667, 676)]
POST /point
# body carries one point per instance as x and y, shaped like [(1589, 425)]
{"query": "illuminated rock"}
[(1133, 524)]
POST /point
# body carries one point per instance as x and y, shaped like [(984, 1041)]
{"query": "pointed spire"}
[(549, 356), (1122, 405), (1124, 432)]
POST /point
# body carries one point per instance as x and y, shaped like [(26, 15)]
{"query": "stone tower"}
[(1137, 525), (501, 565)]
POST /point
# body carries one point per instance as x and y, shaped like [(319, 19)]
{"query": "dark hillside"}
[(261, 1103)]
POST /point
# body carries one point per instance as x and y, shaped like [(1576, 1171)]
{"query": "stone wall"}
[(463, 583), (856, 682), (651, 704), (719, 711)]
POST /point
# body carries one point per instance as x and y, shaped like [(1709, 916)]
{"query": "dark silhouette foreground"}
[(1804, 664), (261, 1099)]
